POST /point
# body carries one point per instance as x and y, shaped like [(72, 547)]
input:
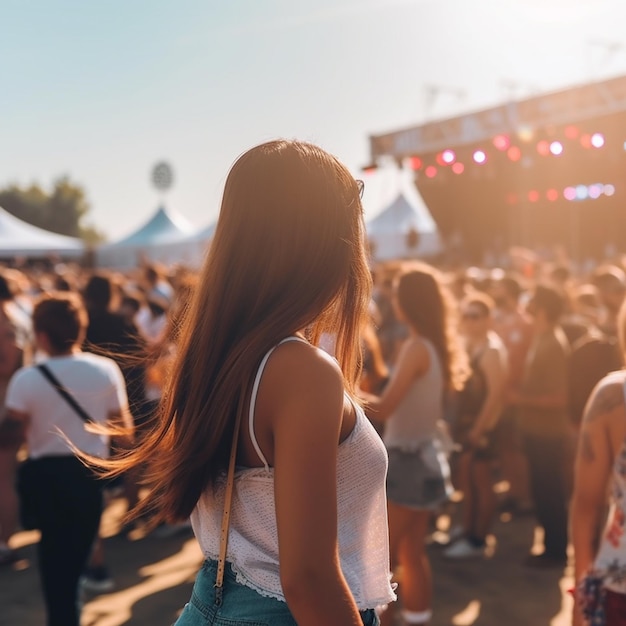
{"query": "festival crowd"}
[(468, 378)]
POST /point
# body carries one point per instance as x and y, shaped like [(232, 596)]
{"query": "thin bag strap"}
[(65, 394), (228, 497)]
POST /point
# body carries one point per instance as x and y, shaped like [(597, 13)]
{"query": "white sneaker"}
[(463, 549)]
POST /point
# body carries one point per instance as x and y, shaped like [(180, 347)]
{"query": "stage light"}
[(543, 148), (569, 193), (552, 195), (597, 140), (582, 193), (448, 157), (458, 168), (480, 157), (430, 171), (556, 148), (370, 168), (514, 153), (501, 142), (571, 132), (609, 190), (415, 163), (595, 191), (533, 195), (585, 140), (511, 198)]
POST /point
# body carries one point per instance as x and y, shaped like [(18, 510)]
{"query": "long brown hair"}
[(429, 309), (287, 255)]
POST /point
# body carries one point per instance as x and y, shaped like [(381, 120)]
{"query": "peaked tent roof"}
[(388, 231), (402, 216), (163, 227), (20, 238)]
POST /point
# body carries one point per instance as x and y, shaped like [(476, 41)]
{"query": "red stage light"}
[(571, 132), (514, 153), (458, 168), (585, 140), (480, 157), (415, 163), (543, 148), (448, 157), (501, 142), (552, 195), (533, 195), (556, 148), (430, 171), (511, 198), (597, 140)]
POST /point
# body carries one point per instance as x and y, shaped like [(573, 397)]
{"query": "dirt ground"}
[(154, 577)]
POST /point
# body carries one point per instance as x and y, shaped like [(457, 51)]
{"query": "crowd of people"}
[(203, 397)]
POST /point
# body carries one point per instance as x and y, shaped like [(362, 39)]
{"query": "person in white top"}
[(248, 390), (430, 364), (64, 497)]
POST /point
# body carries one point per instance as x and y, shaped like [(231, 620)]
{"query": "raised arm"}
[(306, 422)]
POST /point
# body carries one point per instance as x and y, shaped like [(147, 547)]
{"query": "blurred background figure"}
[(411, 406), (479, 408), (542, 404)]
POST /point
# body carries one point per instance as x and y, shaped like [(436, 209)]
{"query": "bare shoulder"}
[(607, 396), (295, 364)]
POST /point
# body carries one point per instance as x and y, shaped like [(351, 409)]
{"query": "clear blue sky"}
[(102, 90)]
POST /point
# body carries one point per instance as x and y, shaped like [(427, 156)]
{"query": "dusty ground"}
[(154, 578)]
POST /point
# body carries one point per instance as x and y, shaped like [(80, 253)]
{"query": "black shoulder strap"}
[(65, 394)]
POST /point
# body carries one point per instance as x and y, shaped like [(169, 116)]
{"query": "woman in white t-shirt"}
[(65, 498)]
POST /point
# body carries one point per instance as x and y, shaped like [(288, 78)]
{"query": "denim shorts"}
[(240, 606)]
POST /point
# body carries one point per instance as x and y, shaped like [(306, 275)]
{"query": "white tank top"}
[(415, 419), (362, 516)]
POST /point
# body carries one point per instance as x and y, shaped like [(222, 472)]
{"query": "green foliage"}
[(61, 210)]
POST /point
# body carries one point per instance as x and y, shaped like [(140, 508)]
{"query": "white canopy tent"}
[(403, 230), (20, 239), (163, 238)]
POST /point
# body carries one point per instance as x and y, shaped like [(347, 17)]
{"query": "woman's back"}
[(415, 419)]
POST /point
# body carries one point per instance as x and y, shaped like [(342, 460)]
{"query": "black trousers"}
[(68, 505), (547, 467)]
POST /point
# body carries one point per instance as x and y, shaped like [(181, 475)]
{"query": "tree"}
[(62, 210)]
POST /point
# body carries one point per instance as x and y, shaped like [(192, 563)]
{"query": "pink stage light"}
[(458, 168), (571, 132), (552, 195), (609, 190), (448, 157), (501, 142), (569, 193), (597, 140), (514, 153), (595, 191), (585, 140), (533, 195), (556, 148), (431, 171), (480, 157), (543, 148)]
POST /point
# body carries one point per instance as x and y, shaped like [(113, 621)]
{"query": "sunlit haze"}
[(102, 91)]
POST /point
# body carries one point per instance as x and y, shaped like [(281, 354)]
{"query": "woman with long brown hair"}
[(259, 439), (430, 364)]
